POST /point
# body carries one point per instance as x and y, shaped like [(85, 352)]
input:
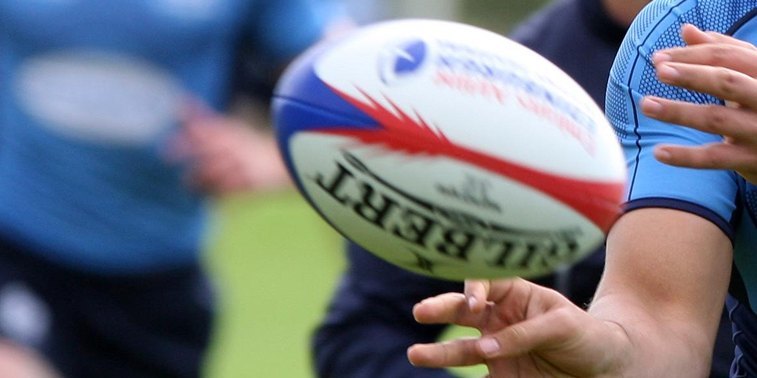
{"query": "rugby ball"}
[(449, 150)]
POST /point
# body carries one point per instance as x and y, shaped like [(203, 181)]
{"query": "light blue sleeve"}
[(710, 193)]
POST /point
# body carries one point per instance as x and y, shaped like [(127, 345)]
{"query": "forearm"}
[(655, 314), (666, 290), (649, 346)]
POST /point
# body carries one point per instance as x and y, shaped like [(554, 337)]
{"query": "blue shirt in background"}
[(90, 97)]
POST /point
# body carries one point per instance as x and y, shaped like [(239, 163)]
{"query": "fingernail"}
[(472, 302), (666, 72), (651, 106), (662, 154), (489, 346), (661, 57)]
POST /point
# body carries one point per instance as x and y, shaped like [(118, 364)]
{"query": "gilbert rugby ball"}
[(449, 150)]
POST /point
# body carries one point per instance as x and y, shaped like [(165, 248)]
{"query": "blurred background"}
[(277, 262)]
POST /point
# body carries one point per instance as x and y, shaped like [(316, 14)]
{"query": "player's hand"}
[(725, 68), (527, 330), (224, 155)]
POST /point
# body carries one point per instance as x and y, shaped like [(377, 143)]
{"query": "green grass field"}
[(277, 263)]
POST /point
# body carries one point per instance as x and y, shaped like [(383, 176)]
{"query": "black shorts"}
[(87, 325)]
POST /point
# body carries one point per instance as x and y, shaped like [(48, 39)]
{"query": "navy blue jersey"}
[(722, 197), (577, 36)]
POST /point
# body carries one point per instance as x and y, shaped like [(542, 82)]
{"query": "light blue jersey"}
[(723, 197), (90, 93)]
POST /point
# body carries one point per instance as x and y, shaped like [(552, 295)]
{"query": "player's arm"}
[(665, 282), (655, 314), (657, 308)]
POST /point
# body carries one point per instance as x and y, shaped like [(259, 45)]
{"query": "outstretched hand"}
[(726, 68), (226, 156), (527, 330)]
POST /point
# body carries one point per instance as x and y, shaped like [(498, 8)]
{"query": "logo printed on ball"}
[(473, 191), (401, 60), (443, 232)]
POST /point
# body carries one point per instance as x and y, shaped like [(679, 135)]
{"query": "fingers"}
[(456, 308), (711, 63), (737, 123), (481, 292), (720, 81), (516, 287), (460, 352), (473, 309), (711, 156), (442, 308), (738, 158), (477, 294), (693, 36), (549, 331), (712, 49), (721, 66), (449, 308)]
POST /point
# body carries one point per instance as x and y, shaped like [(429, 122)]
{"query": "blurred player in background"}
[(369, 324), (687, 239), (113, 138)]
